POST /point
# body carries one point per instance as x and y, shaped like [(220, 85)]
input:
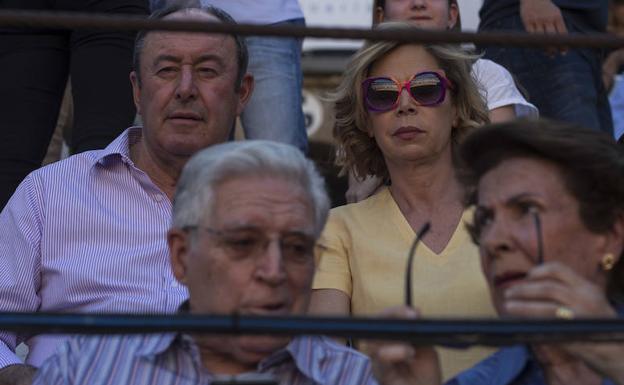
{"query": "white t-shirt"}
[(499, 89), (259, 11), (616, 99)]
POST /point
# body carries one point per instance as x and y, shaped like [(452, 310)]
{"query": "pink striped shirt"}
[(170, 359), (86, 234)]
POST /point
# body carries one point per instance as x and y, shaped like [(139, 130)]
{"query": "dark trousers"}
[(34, 68), (563, 87)]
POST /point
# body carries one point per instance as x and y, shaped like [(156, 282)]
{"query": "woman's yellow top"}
[(365, 247)]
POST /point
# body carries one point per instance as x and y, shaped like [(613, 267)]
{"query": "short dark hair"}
[(590, 161), (181, 5)]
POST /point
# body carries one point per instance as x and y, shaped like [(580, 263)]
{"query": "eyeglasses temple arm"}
[(408, 274), (540, 240)]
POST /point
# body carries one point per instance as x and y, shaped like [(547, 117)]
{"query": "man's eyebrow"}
[(165, 57), (246, 227), (203, 58), (240, 227), (298, 233), (210, 57)]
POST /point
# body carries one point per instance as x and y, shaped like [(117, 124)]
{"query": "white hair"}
[(206, 170)]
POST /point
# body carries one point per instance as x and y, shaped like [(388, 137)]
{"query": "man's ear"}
[(136, 90), (378, 15), (244, 92), (453, 15), (178, 241)]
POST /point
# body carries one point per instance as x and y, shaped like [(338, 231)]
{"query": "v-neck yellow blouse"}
[(365, 255)]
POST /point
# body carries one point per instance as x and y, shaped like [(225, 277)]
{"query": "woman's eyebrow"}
[(515, 199)]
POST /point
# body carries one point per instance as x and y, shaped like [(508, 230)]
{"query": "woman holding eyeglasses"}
[(549, 220), (401, 111)]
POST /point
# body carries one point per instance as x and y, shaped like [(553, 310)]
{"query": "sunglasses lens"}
[(381, 94), (427, 89)]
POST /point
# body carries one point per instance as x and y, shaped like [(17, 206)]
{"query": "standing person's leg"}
[(603, 106), (101, 62), (33, 74), (563, 87), (63, 124), (274, 110)]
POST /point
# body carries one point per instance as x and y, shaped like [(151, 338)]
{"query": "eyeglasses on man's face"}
[(247, 242)]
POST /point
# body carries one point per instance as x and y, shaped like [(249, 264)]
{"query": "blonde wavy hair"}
[(359, 153)]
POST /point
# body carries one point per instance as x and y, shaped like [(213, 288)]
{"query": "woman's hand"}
[(551, 287), (554, 289), (400, 363)]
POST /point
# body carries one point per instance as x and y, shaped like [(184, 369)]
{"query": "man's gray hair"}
[(206, 170)]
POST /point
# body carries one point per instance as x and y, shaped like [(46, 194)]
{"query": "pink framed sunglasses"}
[(426, 88)]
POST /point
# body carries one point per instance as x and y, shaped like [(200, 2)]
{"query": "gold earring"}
[(608, 261)]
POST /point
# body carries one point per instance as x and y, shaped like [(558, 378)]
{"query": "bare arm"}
[(18, 374), (329, 302), (401, 363), (502, 114)]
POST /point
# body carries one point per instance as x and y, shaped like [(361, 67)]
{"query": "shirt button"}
[(175, 284), (158, 197)]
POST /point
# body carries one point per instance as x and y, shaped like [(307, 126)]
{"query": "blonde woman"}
[(401, 110)]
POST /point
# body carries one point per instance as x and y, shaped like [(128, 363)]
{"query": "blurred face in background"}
[(426, 14)]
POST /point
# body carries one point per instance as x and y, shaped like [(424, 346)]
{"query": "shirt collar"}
[(119, 148), (162, 342), (512, 362), (310, 354), (502, 367), (302, 352), (157, 344), (305, 352)]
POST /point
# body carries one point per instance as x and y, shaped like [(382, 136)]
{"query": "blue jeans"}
[(564, 87), (274, 110)]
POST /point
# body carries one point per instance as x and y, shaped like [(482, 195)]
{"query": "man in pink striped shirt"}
[(87, 234)]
